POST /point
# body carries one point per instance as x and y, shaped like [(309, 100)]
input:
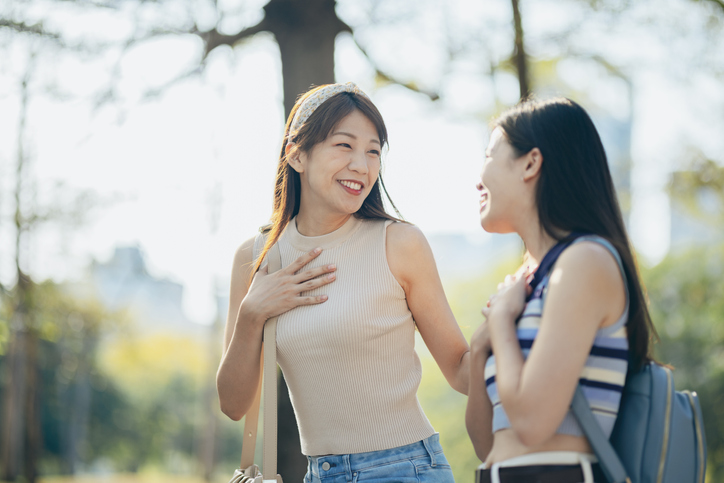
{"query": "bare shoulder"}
[(243, 261), (245, 251), (408, 252), (404, 235), (406, 242), (590, 256), (589, 265)]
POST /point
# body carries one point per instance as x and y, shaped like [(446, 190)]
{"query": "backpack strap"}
[(608, 459), (610, 463)]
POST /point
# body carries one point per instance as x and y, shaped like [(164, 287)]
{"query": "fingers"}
[(316, 282), (300, 262), (312, 300), (314, 273)]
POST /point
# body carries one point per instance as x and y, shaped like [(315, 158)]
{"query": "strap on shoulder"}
[(607, 457), (269, 371)]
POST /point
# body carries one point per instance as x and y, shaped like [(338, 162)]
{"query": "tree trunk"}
[(33, 437), (21, 437), (13, 426), (306, 32), (521, 59)]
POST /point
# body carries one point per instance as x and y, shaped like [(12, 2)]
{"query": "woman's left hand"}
[(509, 301)]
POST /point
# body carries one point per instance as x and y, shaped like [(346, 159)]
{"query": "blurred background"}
[(138, 145)]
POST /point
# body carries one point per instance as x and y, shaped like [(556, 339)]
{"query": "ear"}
[(533, 164), (294, 155)]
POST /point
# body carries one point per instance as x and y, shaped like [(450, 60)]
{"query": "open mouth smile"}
[(483, 200), (353, 187)]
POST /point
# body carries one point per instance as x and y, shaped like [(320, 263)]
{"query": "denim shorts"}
[(421, 462)]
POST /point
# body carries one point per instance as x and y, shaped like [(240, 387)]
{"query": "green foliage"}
[(686, 292), (156, 413), (445, 407), (65, 330), (702, 178)]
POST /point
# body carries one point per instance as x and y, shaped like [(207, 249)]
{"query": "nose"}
[(479, 186), (358, 163)]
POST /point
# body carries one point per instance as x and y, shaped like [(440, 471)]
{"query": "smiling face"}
[(338, 173), (500, 186)]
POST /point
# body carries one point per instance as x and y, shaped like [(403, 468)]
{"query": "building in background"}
[(154, 304)]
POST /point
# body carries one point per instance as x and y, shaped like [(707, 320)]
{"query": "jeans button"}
[(325, 466)]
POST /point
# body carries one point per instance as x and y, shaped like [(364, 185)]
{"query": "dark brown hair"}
[(315, 130), (575, 193)]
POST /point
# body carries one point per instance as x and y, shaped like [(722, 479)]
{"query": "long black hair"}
[(575, 192)]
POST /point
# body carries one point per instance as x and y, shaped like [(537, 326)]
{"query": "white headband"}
[(312, 102)]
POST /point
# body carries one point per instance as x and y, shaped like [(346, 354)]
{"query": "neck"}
[(318, 224), (537, 242)]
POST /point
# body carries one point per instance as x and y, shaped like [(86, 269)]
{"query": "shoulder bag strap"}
[(269, 458), (269, 351), (607, 457)]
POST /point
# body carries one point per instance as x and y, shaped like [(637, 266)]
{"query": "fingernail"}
[(317, 250), (330, 276), (331, 267), (322, 297)]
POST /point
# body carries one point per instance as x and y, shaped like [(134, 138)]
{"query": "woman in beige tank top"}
[(355, 283)]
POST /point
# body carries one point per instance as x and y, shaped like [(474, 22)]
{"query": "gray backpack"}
[(659, 432)]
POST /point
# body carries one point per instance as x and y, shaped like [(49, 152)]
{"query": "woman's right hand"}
[(272, 294)]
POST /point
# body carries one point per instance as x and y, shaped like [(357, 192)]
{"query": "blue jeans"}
[(421, 462)]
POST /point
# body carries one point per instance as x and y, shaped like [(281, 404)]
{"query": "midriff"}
[(506, 445)]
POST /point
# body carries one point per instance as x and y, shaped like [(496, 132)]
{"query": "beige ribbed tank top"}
[(350, 362)]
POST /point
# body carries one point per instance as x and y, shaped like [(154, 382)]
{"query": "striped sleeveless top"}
[(604, 373)]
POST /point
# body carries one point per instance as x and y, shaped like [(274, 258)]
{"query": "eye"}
[(374, 151), (345, 145)]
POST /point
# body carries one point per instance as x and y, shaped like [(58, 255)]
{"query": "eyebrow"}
[(353, 136)]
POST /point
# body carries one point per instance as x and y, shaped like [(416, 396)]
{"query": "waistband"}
[(542, 474), (545, 467), (327, 465)]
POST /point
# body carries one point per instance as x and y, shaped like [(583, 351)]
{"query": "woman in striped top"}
[(546, 178)]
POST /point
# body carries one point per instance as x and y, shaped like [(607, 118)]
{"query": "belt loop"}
[(495, 473), (430, 452), (587, 470), (347, 467)]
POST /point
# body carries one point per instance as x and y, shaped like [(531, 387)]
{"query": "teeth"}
[(351, 185)]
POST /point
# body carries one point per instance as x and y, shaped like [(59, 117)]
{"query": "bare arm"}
[(585, 293), (479, 410), (250, 306), (413, 265)]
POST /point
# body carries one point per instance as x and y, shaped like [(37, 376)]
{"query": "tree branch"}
[(387, 78), (213, 38), (720, 3), (157, 91), (22, 27)]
